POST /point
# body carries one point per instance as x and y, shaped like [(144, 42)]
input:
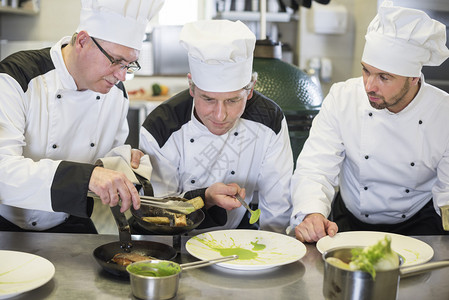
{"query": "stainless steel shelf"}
[(254, 16), (18, 11)]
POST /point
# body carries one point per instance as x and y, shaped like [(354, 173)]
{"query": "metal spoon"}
[(255, 214)]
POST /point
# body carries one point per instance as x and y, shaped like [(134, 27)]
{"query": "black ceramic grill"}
[(291, 88)]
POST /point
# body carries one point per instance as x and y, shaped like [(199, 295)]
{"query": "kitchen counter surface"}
[(79, 276)]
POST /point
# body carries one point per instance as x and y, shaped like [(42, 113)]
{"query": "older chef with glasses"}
[(61, 109)]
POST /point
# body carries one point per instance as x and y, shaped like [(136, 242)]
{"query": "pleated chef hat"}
[(119, 21), (401, 40), (220, 54)]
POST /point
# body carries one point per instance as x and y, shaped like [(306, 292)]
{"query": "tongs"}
[(174, 204)]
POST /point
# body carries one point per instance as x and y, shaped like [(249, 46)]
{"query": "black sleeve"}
[(69, 189), (214, 216)]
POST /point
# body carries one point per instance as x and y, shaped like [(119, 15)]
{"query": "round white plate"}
[(413, 251), (21, 272), (256, 249)]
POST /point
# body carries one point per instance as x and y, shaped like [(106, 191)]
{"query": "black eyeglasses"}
[(130, 69)]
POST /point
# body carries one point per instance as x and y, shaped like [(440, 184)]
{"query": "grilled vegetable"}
[(197, 202)]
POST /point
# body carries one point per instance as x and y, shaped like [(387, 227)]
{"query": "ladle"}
[(255, 214)]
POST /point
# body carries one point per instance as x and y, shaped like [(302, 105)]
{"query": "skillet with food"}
[(146, 214), (115, 256), (141, 216), (105, 254)]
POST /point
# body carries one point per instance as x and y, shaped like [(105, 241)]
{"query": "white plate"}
[(413, 251), (21, 272), (257, 249)]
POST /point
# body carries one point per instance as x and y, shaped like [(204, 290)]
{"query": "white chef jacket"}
[(256, 154), (387, 165), (50, 134)]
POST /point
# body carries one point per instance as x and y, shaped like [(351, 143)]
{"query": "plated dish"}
[(256, 249), (413, 251), (22, 272)]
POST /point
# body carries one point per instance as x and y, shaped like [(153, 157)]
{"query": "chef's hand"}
[(136, 155), (109, 184), (314, 227), (222, 195)]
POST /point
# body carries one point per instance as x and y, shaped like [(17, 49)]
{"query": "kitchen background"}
[(328, 35), (332, 34), (327, 39)]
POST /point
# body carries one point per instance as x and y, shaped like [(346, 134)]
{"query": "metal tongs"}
[(174, 204)]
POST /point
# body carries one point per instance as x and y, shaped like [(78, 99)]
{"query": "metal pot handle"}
[(415, 270)]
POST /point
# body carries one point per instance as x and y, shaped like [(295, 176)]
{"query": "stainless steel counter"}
[(78, 276)]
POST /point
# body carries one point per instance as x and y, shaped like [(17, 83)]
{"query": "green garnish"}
[(378, 257)]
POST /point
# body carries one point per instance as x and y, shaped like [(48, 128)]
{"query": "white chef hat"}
[(220, 54), (119, 21), (401, 40)]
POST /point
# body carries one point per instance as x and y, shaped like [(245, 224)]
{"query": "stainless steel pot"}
[(357, 285), (159, 279)]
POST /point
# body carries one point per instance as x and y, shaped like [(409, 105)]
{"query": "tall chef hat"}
[(401, 40), (220, 54), (119, 21)]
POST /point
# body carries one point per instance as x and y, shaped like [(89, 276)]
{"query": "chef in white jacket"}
[(61, 109), (381, 140), (220, 137)]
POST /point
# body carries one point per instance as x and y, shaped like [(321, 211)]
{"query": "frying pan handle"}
[(123, 227), (415, 270), (146, 185)]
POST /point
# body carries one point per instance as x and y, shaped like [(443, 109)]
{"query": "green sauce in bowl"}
[(154, 269)]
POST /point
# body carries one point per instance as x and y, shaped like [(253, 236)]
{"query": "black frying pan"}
[(104, 254), (193, 220)]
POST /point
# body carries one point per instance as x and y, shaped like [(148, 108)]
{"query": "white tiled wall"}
[(344, 50)]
